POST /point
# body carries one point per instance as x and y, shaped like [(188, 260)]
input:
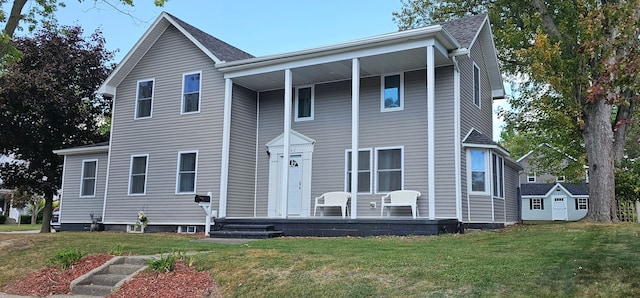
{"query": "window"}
[(581, 204), (392, 93), (138, 175), (536, 204), (191, 93), (304, 103), (89, 175), (478, 170), (144, 99), (389, 169), (531, 177), (561, 178), (498, 176), (187, 168), (476, 85), (364, 171)]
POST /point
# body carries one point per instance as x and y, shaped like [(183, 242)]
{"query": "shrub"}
[(3, 219), (25, 219), (164, 264), (66, 257)]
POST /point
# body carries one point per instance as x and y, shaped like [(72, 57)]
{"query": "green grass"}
[(16, 227), (549, 260)]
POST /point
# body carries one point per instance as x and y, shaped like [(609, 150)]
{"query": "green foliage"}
[(25, 219), (3, 219), (66, 258), (628, 180), (165, 263)]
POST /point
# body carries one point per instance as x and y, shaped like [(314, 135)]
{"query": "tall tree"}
[(48, 102), (580, 57)]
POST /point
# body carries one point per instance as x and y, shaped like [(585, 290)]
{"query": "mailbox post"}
[(205, 203)]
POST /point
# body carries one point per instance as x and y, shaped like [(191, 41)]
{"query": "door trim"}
[(553, 208)]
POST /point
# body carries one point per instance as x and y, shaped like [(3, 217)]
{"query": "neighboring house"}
[(548, 197), (192, 114)]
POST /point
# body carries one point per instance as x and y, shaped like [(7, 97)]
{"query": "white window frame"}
[(561, 178), (584, 204), (375, 166), (382, 88), (529, 177), (182, 104), (146, 174), (347, 181), (499, 175), (83, 178), (487, 173), (477, 80), (536, 202), (313, 91), (195, 176), (153, 92)]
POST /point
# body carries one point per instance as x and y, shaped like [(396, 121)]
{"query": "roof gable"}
[(545, 189), (214, 48)]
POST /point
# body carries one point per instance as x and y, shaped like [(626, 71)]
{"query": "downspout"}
[(456, 129)]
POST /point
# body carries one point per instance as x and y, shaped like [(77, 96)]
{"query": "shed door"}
[(559, 208)]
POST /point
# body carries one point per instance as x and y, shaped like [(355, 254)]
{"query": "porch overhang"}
[(389, 53)]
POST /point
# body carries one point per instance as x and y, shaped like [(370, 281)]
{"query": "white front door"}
[(294, 203), (559, 208)]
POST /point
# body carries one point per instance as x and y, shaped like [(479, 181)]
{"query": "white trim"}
[(226, 141), (288, 82), (182, 102), (153, 91), (82, 150), (257, 157), (346, 169), (377, 185), (95, 179), (457, 142), (401, 92), (146, 174), (535, 178), (431, 130), (106, 181), (297, 118), (487, 172), (64, 169), (479, 81), (355, 133), (195, 177)]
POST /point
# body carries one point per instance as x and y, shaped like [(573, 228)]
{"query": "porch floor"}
[(338, 226)]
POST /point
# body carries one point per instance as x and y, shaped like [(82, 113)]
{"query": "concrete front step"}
[(92, 290), (107, 279), (245, 234), (104, 279), (247, 227), (123, 269)]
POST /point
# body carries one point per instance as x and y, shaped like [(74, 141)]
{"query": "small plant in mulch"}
[(166, 263), (66, 258)]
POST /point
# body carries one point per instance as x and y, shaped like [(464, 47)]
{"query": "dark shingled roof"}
[(476, 137), (218, 48), (464, 30), (540, 189)]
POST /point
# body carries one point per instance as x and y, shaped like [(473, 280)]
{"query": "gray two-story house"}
[(266, 135)]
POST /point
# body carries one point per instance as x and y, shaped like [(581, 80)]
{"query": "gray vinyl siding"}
[(445, 179), (547, 212), (242, 154), (75, 209), (478, 207), (541, 177), (511, 194), (498, 210), (165, 134), (537, 214)]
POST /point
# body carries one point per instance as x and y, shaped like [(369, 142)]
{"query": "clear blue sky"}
[(260, 27)]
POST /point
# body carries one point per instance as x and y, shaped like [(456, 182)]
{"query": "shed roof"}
[(542, 189)]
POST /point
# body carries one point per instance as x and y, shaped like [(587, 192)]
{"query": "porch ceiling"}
[(341, 70)]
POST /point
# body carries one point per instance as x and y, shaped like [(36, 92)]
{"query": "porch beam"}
[(226, 139), (431, 148), (355, 121), (288, 84)]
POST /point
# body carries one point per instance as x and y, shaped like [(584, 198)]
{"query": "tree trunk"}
[(598, 137), (46, 214)]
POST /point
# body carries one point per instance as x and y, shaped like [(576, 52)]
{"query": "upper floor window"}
[(138, 175), (187, 168), (476, 85), (304, 103), (536, 204), (191, 93), (389, 166), (498, 175), (531, 177), (478, 170), (364, 171), (581, 204), (89, 175), (144, 99), (561, 178), (392, 98)]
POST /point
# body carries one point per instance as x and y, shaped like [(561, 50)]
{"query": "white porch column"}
[(431, 149), (355, 121), (287, 135), (226, 138)]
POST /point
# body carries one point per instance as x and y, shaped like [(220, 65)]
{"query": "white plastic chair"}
[(333, 199), (401, 198)]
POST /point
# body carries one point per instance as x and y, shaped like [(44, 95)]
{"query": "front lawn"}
[(552, 259)]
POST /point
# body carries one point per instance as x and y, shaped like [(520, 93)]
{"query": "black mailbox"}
[(200, 198)]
